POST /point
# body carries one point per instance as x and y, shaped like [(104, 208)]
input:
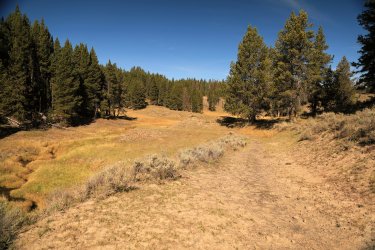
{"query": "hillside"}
[(273, 193)]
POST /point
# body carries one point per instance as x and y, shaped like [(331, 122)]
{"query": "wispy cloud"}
[(313, 12)]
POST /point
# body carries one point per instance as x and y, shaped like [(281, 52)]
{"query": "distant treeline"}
[(44, 81)]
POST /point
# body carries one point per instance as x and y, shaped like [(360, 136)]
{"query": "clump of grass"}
[(109, 181), (155, 167), (211, 151), (358, 128), (11, 220), (205, 153), (233, 141), (120, 178), (62, 199)]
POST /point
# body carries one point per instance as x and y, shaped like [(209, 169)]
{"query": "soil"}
[(259, 197)]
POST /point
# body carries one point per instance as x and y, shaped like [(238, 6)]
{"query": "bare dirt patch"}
[(259, 197)]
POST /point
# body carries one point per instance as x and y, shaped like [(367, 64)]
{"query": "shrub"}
[(109, 181), (233, 141), (210, 151), (154, 167), (11, 220), (358, 127), (205, 153), (62, 199)]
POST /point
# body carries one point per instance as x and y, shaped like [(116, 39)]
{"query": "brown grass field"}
[(277, 192)]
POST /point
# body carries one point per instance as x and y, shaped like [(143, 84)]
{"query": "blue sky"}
[(193, 38)]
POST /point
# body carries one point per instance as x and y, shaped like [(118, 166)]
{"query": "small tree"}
[(318, 66), (343, 86), (249, 81)]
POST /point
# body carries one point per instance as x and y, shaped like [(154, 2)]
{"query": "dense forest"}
[(43, 80), (297, 71)]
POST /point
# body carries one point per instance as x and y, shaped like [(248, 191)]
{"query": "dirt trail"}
[(255, 198)]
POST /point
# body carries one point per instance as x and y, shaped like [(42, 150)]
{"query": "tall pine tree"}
[(43, 52), (318, 67), (249, 82), (66, 99), (94, 84), (291, 61), (366, 62), (17, 90)]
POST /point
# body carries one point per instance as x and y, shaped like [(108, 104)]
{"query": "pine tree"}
[(53, 68), (43, 53), (137, 94), (213, 98), (318, 66), (94, 84), (66, 97), (114, 88), (17, 90), (250, 77), (328, 90), (366, 62), (82, 61), (154, 92), (343, 86), (196, 101), (291, 60)]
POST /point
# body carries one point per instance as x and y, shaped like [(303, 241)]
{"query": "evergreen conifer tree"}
[(318, 66), (366, 62), (249, 82), (17, 89), (43, 53), (343, 86), (291, 60), (94, 84), (66, 97)]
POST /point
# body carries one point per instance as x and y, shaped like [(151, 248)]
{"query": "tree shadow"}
[(233, 122), (361, 105), (265, 123), (6, 131), (121, 117)]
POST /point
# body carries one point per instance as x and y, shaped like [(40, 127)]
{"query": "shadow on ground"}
[(233, 122), (7, 131), (122, 117)]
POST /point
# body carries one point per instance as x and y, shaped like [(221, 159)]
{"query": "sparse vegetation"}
[(155, 167), (358, 128), (121, 177), (44, 84), (11, 220), (109, 181), (211, 151)]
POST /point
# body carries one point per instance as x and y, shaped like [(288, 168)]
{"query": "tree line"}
[(44, 80), (296, 71)]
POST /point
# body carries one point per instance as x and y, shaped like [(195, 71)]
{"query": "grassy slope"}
[(63, 158)]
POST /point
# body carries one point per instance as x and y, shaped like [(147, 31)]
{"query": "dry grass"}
[(358, 128), (11, 220), (340, 147), (122, 177), (109, 181), (211, 151), (155, 167), (60, 159)]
